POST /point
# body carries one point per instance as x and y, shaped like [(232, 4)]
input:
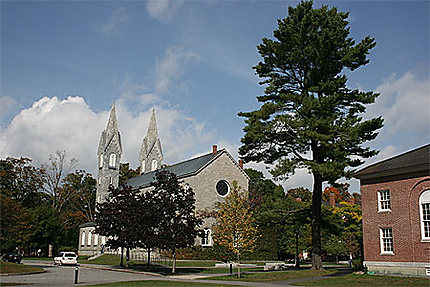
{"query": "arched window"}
[(89, 238), (83, 238), (425, 215), (206, 237), (101, 161), (112, 160), (142, 166), (154, 165)]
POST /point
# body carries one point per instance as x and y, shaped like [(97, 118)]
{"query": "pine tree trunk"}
[(174, 262), (316, 223)]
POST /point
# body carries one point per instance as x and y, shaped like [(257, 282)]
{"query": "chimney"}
[(332, 200), (298, 199), (352, 200), (241, 163), (214, 149)]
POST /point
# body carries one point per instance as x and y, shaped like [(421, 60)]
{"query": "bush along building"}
[(396, 214), (209, 175)]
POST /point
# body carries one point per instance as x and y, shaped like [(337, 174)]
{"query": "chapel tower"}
[(109, 156), (150, 156)]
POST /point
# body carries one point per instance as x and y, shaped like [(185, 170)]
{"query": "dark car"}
[(12, 257)]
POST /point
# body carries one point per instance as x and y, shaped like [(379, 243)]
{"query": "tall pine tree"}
[(309, 118)]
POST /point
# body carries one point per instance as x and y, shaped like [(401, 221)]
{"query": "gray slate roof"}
[(182, 169), (414, 160)]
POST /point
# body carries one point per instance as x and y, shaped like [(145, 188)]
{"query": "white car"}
[(66, 258)]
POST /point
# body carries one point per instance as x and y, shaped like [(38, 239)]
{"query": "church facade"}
[(210, 176)]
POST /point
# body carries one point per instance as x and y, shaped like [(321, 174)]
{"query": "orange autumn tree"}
[(235, 227)]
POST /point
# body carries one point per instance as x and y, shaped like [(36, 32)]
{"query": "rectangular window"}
[(426, 219), (386, 235), (384, 200)]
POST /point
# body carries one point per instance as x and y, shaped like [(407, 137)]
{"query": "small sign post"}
[(76, 274)]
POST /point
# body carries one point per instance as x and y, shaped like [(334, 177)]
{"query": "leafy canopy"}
[(309, 117)]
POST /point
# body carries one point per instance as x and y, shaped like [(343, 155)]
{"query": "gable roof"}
[(417, 160), (181, 169)]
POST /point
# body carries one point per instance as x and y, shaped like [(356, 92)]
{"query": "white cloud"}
[(169, 68), (162, 10), (111, 26), (404, 104), (70, 124)]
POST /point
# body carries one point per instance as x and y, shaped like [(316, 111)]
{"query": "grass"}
[(368, 280), (14, 284), (159, 283), (274, 275), (8, 267)]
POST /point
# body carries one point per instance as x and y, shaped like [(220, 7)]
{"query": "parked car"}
[(12, 257), (66, 258)]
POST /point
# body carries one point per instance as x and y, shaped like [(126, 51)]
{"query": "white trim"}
[(112, 160), (385, 200), (381, 240), (424, 199), (228, 187), (208, 236), (83, 238), (397, 264)]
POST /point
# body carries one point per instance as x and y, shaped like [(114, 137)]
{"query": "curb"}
[(23, 273)]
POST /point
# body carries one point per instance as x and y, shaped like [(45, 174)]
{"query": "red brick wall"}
[(404, 219)]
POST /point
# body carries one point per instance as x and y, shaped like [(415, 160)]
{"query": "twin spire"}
[(151, 155)]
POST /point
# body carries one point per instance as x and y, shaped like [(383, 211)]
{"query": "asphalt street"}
[(64, 276)]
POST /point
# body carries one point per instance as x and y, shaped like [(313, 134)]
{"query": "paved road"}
[(64, 276)]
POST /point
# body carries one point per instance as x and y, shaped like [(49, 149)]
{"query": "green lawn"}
[(14, 284), (8, 267), (155, 283), (369, 280), (274, 275)]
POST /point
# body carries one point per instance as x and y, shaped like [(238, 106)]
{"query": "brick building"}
[(396, 213)]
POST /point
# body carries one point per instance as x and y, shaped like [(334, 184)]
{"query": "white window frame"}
[(96, 239), (101, 161), (384, 199), (424, 203), (142, 166), (83, 238), (207, 237), (154, 165), (89, 238), (386, 240), (112, 160)]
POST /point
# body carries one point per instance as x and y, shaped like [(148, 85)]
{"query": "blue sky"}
[(63, 63)]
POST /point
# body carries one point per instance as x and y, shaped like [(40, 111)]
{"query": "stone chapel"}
[(210, 176)]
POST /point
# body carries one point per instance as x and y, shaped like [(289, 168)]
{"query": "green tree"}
[(21, 181), (119, 218), (175, 206), (79, 192), (14, 224), (235, 226), (125, 172), (309, 118), (56, 170)]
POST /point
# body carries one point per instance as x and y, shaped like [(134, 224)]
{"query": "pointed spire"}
[(151, 155), (112, 123), (152, 133)]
